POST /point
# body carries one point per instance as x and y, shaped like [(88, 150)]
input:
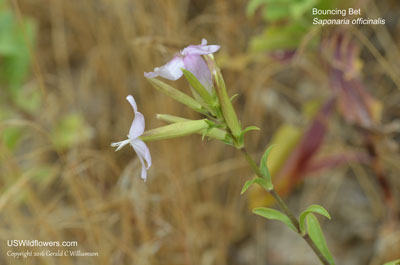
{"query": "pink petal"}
[(198, 67), (201, 49), (170, 71)]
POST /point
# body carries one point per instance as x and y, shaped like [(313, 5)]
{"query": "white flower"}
[(136, 130)]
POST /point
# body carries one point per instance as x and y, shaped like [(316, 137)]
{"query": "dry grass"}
[(91, 54)]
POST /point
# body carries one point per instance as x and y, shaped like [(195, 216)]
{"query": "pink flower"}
[(136, 130), (191, 60)]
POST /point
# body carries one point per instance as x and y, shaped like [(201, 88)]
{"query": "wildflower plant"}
[(210, 98)]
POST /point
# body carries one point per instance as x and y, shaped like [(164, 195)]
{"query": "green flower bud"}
[(175, 130), (215, 133), (205, 96), (176, 94), (226, 105)]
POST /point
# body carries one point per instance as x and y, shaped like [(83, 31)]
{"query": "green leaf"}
[(14, 50), (299, 8), (234, 96), (263, 164), (276, 12), (274, 215), (279, 37), (7, 36), (247, 185), (312, 209), (316, 235), (253, 5), (29, 99), (260, 181), (394, 262), (250, 128), (11, 137)]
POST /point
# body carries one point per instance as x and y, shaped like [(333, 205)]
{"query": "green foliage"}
[(394, 262), (279, 37), (311, 209), (260, 181), (28, 100), (15, 39), (273, 10), (263, 165), (247, 129), (11, 136), (316, 235), (253, 5), (300, 7), (288, 21), (71, 130), (274, 215)]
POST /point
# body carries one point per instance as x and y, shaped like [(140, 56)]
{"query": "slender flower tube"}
[(136, 130), (189, 59)]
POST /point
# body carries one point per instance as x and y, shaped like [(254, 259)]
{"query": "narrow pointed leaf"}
[(316, 235), (234, 96), (312, 209), (250, 128), (263, 164), (273, 214), (247, 185), (262, 182)]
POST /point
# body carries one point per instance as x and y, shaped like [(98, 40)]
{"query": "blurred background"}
[(328, 97)]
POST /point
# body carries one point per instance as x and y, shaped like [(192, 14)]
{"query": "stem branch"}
[(285, 209)]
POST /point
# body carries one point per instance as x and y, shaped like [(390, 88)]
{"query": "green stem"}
[(285, 209)]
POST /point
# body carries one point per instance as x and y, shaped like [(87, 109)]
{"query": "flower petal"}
[(201, 49), (132, 102), (143, 173), (170, 71), (137, 127), (142, 151), (198, 67)]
